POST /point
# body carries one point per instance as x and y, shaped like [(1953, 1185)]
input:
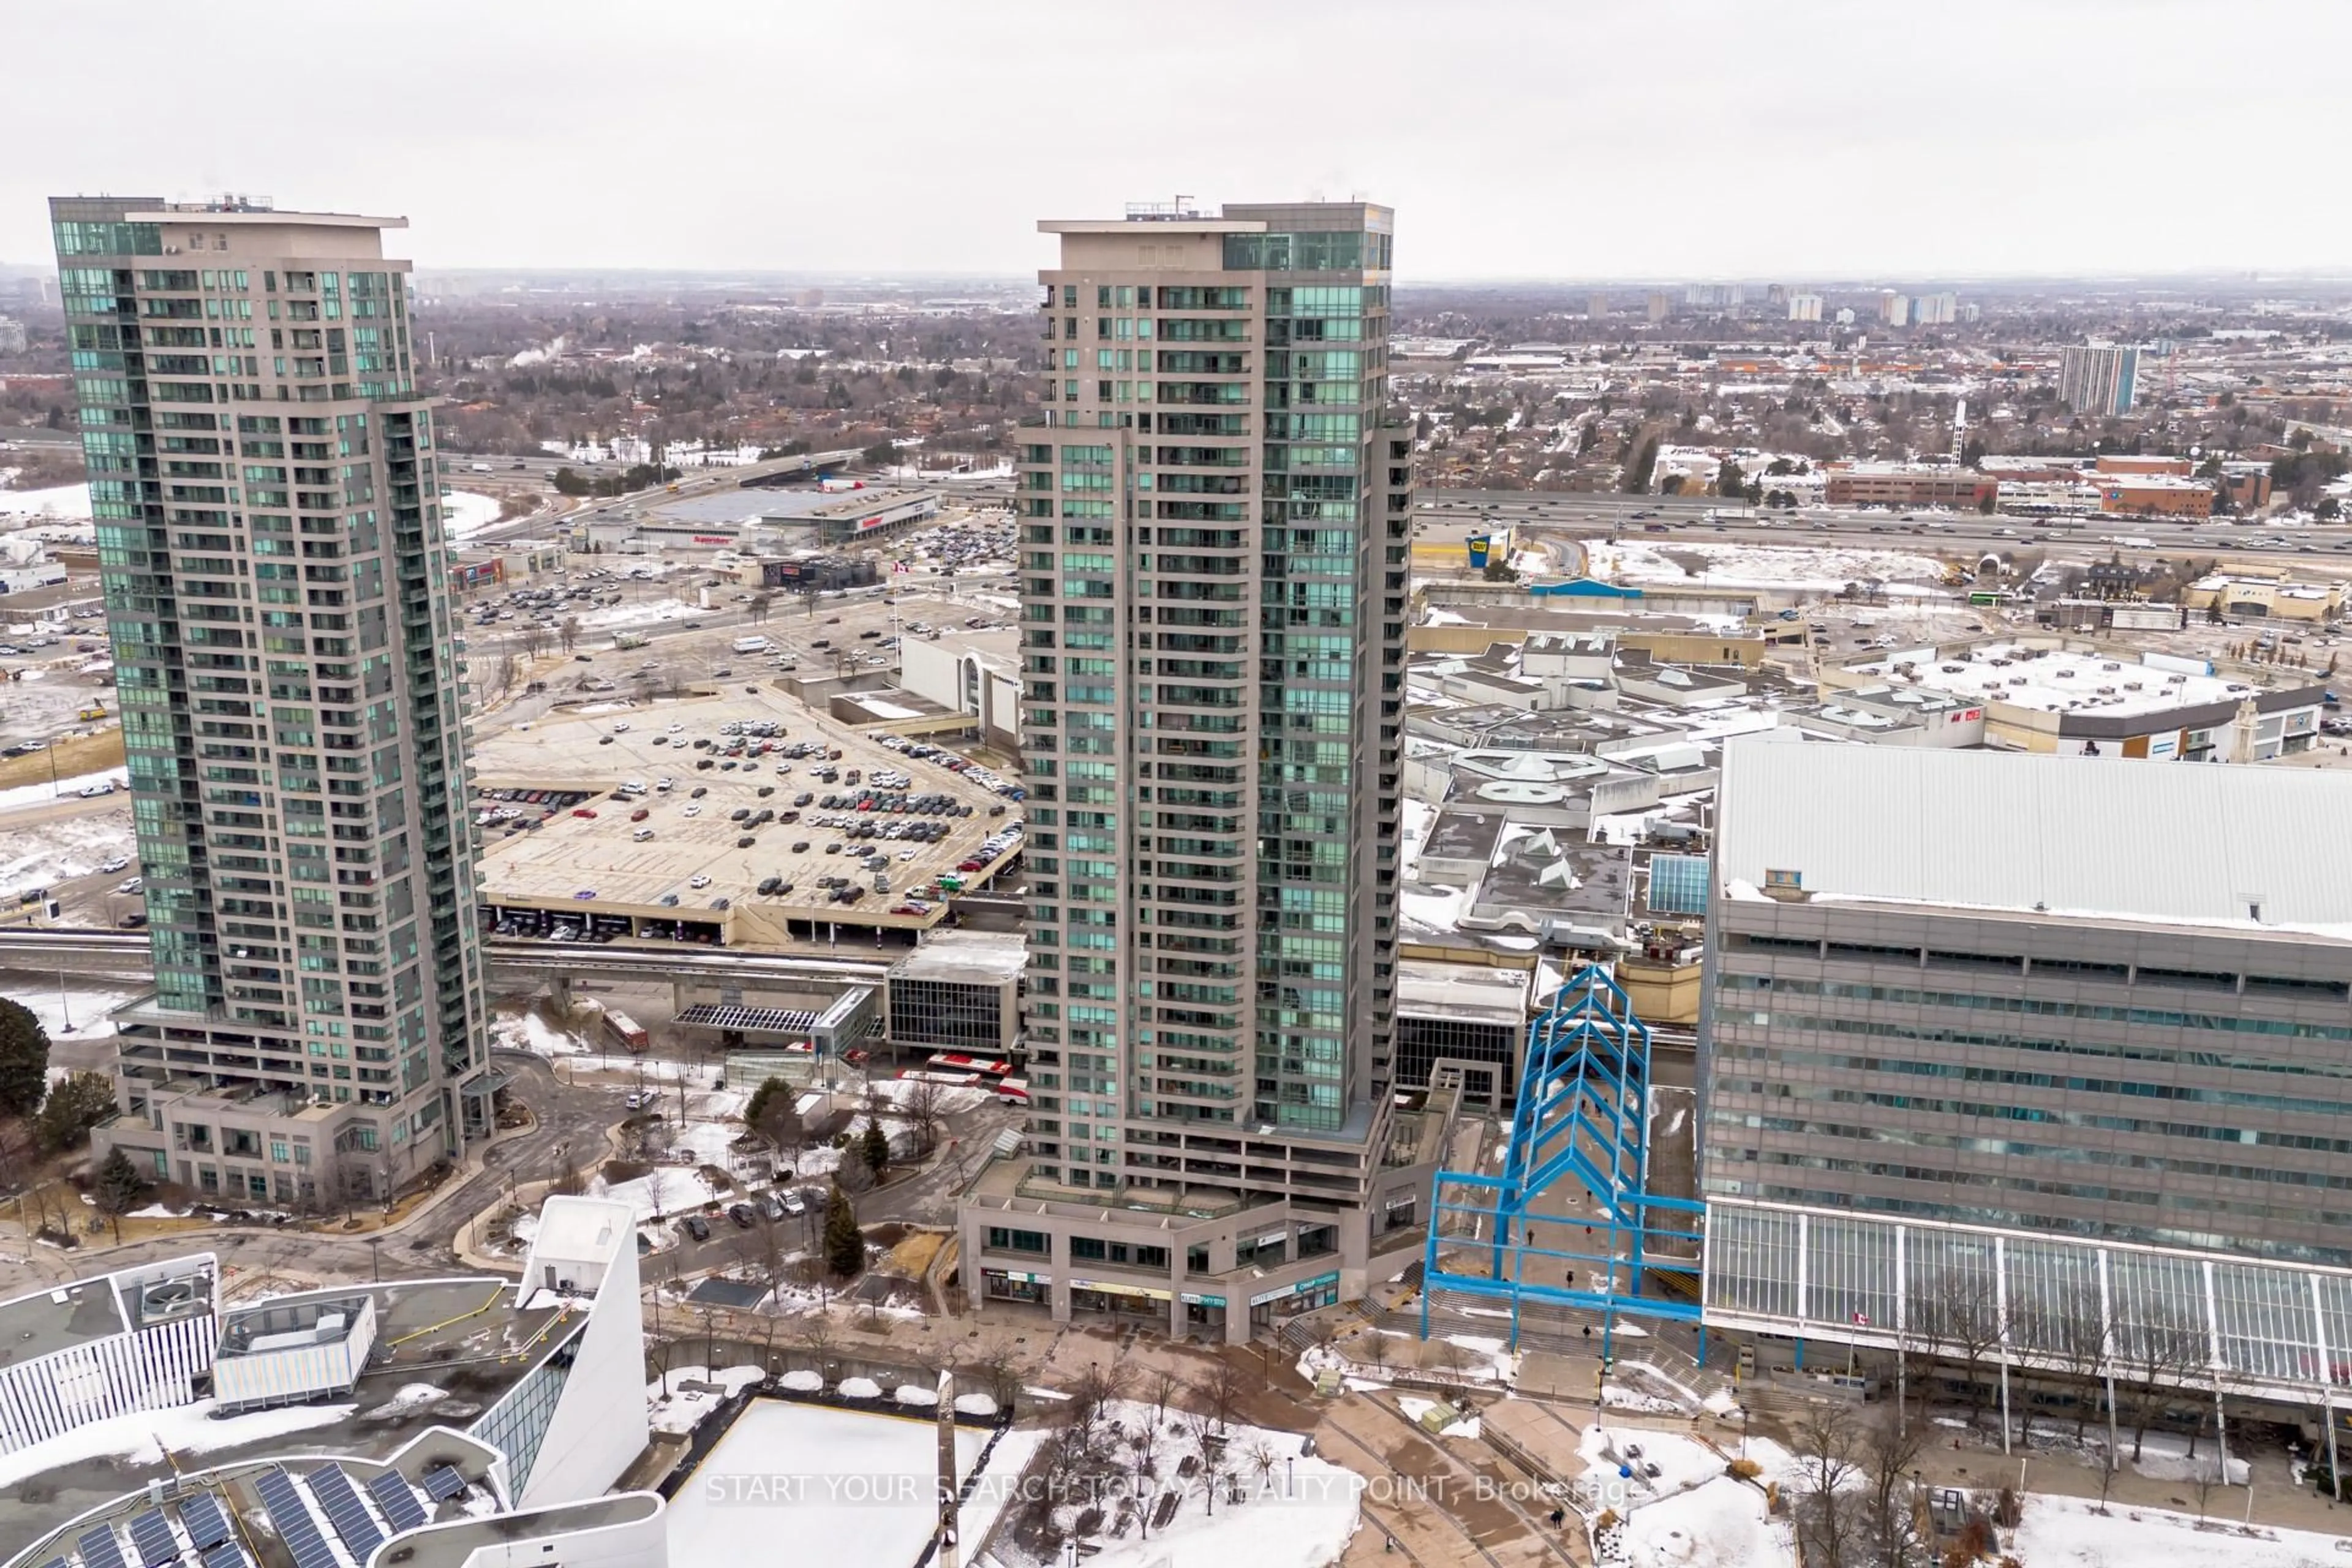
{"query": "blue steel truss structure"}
[(1582, 1120)]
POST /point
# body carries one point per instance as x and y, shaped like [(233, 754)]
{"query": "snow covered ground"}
[(58, 502), (38, 855), (841, 1485), (24, 796), (1721, 1523), (85, 1009), (1298, 1511), (676, 1407), (662, 1192), (1816, 569), (465, 513), (141, 1437), (2062, 1533)]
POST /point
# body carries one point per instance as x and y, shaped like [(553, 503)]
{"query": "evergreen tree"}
[(120, 1189), (24, 1058), (769, 1089), (73, 1108), (844, 1243), (1637, 477), (876, 1147)]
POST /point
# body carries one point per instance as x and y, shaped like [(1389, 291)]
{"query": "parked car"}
[(698, 1227)]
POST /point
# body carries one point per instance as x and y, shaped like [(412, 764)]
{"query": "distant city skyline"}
[(1690, 138)]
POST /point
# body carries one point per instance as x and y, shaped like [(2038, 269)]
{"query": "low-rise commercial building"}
[(1909, 484), (2267, 597), (959, 992)]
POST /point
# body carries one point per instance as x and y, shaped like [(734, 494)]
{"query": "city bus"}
[(1013, 1091), (985, 1067)]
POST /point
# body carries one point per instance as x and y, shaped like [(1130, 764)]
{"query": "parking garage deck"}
[(606, 875)]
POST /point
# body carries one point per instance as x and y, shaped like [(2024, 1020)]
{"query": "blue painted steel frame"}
[(1584, 1093)]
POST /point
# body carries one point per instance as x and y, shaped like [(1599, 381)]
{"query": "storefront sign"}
[(1145, 1291), (1300, 1289), (1192, 1299), (1015, 1274)]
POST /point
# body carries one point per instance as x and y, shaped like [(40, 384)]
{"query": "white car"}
[(694, 811), (131, 885), (677, 728), (103, 786), (112, 864), (622, 728), (698, 880)]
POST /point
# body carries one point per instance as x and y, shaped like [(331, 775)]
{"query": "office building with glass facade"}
[(2037, 993), (267, 497), (1214, 517)]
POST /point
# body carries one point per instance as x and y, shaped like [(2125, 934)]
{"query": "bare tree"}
[(1957, 1315), (1160, 1385), (1221, 1389), (534, 641), (2157, 1356), (923, 1113), (2075, 1337), (999, 1372), (567, 632), (1831, 1457), (1891, 1449)]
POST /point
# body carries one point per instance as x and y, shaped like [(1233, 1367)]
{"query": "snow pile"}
[(694, 1391), (2062, 1533), (974, 1404), (412, 1397), (141, 1437), (899, 1091), (860, 1388), (804, 1380), (42, 793), (916, 1394)]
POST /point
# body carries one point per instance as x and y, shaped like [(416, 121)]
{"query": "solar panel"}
[(227, 1554), (398, 1499), (331, 1485), (443, 1483), (297, 1527), (100, 1549), (152, 1537), (201, 1517), (55, 1562), (779, 1020)]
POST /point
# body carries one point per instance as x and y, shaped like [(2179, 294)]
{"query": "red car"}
[(582, 811)]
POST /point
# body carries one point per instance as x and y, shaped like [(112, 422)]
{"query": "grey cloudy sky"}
[(1571, 139)]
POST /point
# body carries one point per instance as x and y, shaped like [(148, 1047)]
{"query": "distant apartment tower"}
[(1715, 296), (2099, 379), (11, 335), (1804, 306), (1660, 306), (1213, 528), (1596, 306), (1934, 309), (267, 497), (1894, 309)]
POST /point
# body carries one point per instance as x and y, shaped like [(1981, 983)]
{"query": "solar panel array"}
[(202, 1517), (331, 1485), (152, 1537), (443, 1483), (227, 1554), (397, 1498), (100, 1549), (55, 1562), (296, 1525)]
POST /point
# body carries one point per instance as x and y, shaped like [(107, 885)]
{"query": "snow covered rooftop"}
[(2056, 680), (2231, 847)]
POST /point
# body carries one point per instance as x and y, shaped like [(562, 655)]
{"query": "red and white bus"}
[(986, 1066), (1013, 1091), (944, 1079)]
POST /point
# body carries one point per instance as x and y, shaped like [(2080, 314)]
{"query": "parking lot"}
[(727, 817)]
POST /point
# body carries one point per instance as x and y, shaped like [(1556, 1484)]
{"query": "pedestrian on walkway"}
[(1559, 1516)]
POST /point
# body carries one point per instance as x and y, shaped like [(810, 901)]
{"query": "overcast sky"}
[(1562, 138)]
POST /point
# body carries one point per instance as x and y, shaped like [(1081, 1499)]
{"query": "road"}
[(462, 467)]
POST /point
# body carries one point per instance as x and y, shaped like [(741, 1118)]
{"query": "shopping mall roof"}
[(2241, 848)]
